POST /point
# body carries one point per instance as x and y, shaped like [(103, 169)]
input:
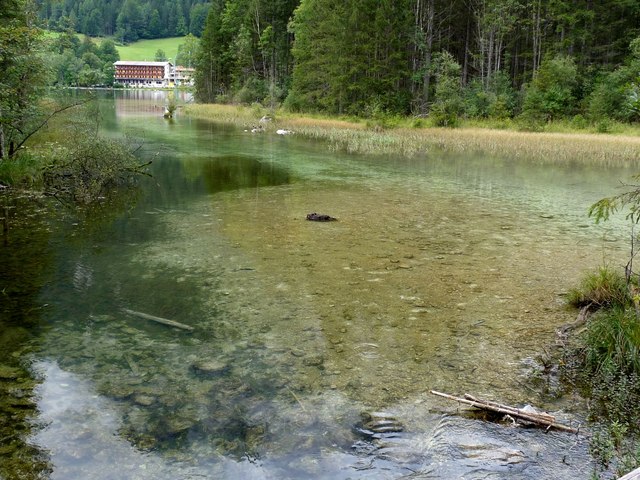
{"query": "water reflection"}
[(26, 265), (235, 171), (133, 103), (83, 434)]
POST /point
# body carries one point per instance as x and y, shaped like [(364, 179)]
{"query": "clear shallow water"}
[(443, 273)]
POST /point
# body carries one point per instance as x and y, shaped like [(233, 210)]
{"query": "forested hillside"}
[(445, 57), (126, 20), (546, 59)]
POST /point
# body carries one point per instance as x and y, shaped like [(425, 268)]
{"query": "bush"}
[(254, 90), (294, 102), (616, 94), (23, 170), (603, 288), (496, 99), (579, 122), (609, 96), (448, 105), (551, 94), (90, 169), (603, 126), (612, 342)]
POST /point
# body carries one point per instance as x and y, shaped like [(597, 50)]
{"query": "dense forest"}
[(479, 58), (125, 20), (540, 59), (80, 63)]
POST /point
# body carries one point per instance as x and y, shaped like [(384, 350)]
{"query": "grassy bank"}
[(410, 137), (603, 361)]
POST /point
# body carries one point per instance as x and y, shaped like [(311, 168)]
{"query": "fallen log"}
[(163, 321), (541, 419), (512, 410)]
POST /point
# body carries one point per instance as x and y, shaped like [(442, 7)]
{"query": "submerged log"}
[(319, 217), (163, 321), (541, 419)]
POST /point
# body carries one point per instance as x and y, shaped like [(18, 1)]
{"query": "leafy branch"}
[(605, 207)]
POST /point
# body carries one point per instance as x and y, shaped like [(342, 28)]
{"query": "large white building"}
[(151, 74)]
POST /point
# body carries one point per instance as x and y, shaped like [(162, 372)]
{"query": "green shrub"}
[(494, 98), (448, 105), (253, 90), (23, 170), (295, 102), (603, 126), (578, 121), (90, 169), (551, 94), (612, 341), (603, 288)]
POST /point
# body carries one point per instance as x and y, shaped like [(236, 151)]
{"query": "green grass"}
[(24, 171), (604, 360), (603, 288), (612, 342), (145, 50)]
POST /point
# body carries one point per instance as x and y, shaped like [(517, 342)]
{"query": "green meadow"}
[(141, 50), (145, 50)]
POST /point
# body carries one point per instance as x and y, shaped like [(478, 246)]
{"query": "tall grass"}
[(414, 137), (605, 287), (605, 362), (24, 171), (612, 342)]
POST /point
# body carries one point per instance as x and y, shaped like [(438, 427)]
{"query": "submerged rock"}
[(210, 367), (144, 400), (377, 425)]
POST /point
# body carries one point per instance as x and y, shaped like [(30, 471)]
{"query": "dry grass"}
[(356, 137)]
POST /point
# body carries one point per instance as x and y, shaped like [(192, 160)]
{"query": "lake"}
[(442, 272)]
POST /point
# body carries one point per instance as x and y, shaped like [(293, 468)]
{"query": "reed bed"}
[(223, 113), (356, 136)]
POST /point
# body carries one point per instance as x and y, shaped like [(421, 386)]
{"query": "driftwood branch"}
[(541, 419), (635, 475), (163, 321), (46, 120)]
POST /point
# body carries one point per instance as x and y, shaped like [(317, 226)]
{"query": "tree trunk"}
[(465, 63), (2, 152), (430, 16), (537, 36)]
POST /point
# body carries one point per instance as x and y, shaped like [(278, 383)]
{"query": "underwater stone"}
[(313, 361), (144, 400), (210, 367), (9, 373), (176, 425)]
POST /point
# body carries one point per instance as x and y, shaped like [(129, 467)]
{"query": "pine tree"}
[(212, 71)]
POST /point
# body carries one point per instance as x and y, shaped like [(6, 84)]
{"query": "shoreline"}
[(364, 137)]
